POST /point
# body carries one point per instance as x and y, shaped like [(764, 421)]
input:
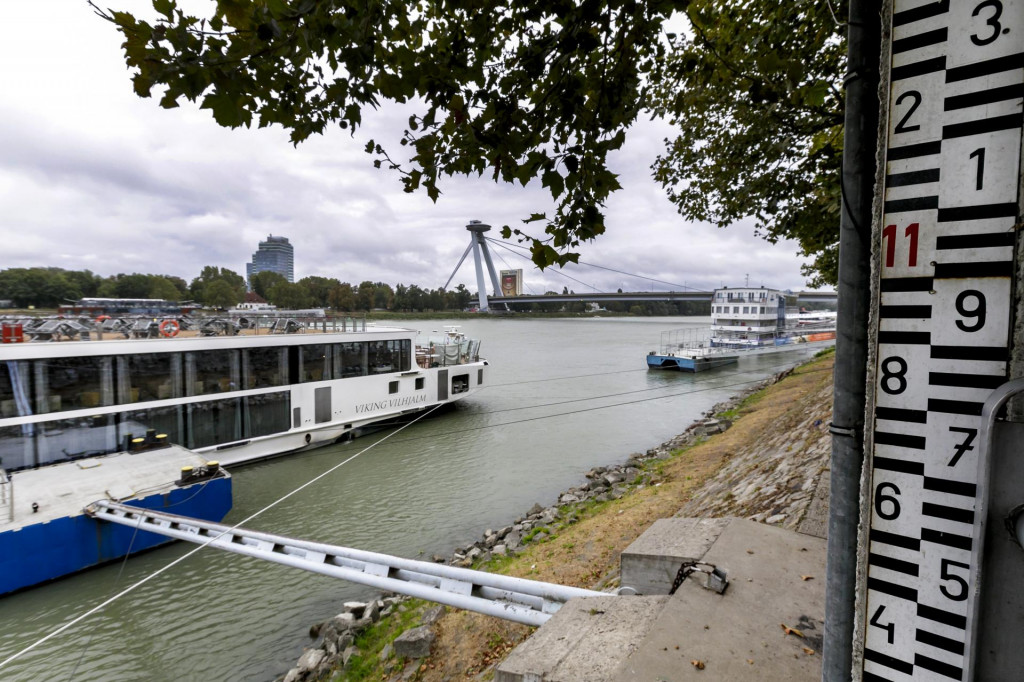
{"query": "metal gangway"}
[(520, 600)]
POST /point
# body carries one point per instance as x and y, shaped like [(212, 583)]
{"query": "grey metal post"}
[(477, 240), (858, 177)]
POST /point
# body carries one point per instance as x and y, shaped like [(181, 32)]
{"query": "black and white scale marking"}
[(946, 250)]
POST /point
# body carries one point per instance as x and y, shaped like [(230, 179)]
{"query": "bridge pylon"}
[(478, 245)]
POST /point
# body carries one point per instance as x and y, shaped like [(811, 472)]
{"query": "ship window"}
[(265, 367), (73, 383), (14, 389), (420, 383), (214, 422), (314, 362), (351, 359), (460, 383), (165, 420), (17, 444), (266, 414), (393, 387), (479, 377), (66, 439), (148, 376), (211, 371)]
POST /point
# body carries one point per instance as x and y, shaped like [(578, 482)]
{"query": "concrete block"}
[(583, 642), (650, 564), (738, 636)]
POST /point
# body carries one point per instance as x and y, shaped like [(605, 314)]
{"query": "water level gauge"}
[(945, 261)]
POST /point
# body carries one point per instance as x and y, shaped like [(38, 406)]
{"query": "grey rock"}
[(612, 479), (778, 518), (539, 537), (535, 509), (372, 611), (414, 643), (347, 655), (567, 499), (513, 539), (345, 640), (432, 615), (311, 660), (386, 652), (499, 550), (294, 675)]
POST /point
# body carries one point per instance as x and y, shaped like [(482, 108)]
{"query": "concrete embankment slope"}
[(768, 470)]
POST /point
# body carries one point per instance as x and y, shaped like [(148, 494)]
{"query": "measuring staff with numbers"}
[(944, 260)]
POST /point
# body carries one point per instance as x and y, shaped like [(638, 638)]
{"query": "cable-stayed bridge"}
[(482, 261)]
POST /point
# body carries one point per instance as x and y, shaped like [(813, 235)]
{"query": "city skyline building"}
[(275, 254)]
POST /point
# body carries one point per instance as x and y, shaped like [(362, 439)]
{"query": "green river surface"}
[(562, 396)]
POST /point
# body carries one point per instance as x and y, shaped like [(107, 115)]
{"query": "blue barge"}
[(46, 533)]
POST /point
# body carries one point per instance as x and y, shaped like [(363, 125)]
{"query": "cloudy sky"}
[(92, 176)]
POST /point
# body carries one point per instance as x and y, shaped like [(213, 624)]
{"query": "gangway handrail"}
[(530, 602)]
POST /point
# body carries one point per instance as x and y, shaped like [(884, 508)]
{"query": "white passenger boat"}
[(744, 321), (247, 395), (148, 412)]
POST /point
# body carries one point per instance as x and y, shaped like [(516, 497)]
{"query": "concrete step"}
[(736, 636)]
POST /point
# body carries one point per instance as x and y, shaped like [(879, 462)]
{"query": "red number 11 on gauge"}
[(889, 236)]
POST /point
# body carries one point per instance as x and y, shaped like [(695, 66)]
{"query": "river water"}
[(563, 396)]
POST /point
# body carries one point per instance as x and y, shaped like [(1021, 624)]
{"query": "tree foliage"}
[(755, 94), (262, 281), (508, 89), (218, 287), (521, 90)]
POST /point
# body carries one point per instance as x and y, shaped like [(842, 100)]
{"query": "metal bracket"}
[(717, 579)]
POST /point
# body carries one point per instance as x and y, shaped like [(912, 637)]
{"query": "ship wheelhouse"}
[(748, 316)]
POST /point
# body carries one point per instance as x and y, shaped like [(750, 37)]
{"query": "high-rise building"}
[(274, 254)]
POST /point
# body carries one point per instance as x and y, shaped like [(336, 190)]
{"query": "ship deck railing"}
[(6, 496)]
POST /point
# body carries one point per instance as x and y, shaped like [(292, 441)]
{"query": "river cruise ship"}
[(744, 321), (242, 389), (149, 412)]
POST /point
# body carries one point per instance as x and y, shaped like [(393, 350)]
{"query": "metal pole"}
[(860, 142)]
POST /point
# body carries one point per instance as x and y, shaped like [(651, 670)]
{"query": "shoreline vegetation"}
[(762, 455)]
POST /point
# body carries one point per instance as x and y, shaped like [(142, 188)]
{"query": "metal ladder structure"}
[(517, 599)]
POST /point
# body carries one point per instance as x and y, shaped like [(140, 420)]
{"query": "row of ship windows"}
[(747, 309), (750, 296), (197, 425), (61, 384)]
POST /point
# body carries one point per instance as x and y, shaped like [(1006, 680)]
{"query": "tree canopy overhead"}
[(519, 90)]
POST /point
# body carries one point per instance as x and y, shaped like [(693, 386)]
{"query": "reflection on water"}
[(434, 485)]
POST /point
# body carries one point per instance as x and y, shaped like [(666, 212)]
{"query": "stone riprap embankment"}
[(773, 480)]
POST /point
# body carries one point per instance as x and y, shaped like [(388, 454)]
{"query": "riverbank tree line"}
[(49, 287)]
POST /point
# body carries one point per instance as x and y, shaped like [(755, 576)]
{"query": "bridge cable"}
[(600, 267), (557, 272)]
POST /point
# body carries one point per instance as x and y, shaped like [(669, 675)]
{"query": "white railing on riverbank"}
[(517, 599)]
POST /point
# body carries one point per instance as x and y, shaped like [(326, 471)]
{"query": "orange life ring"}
[(169, 328)]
